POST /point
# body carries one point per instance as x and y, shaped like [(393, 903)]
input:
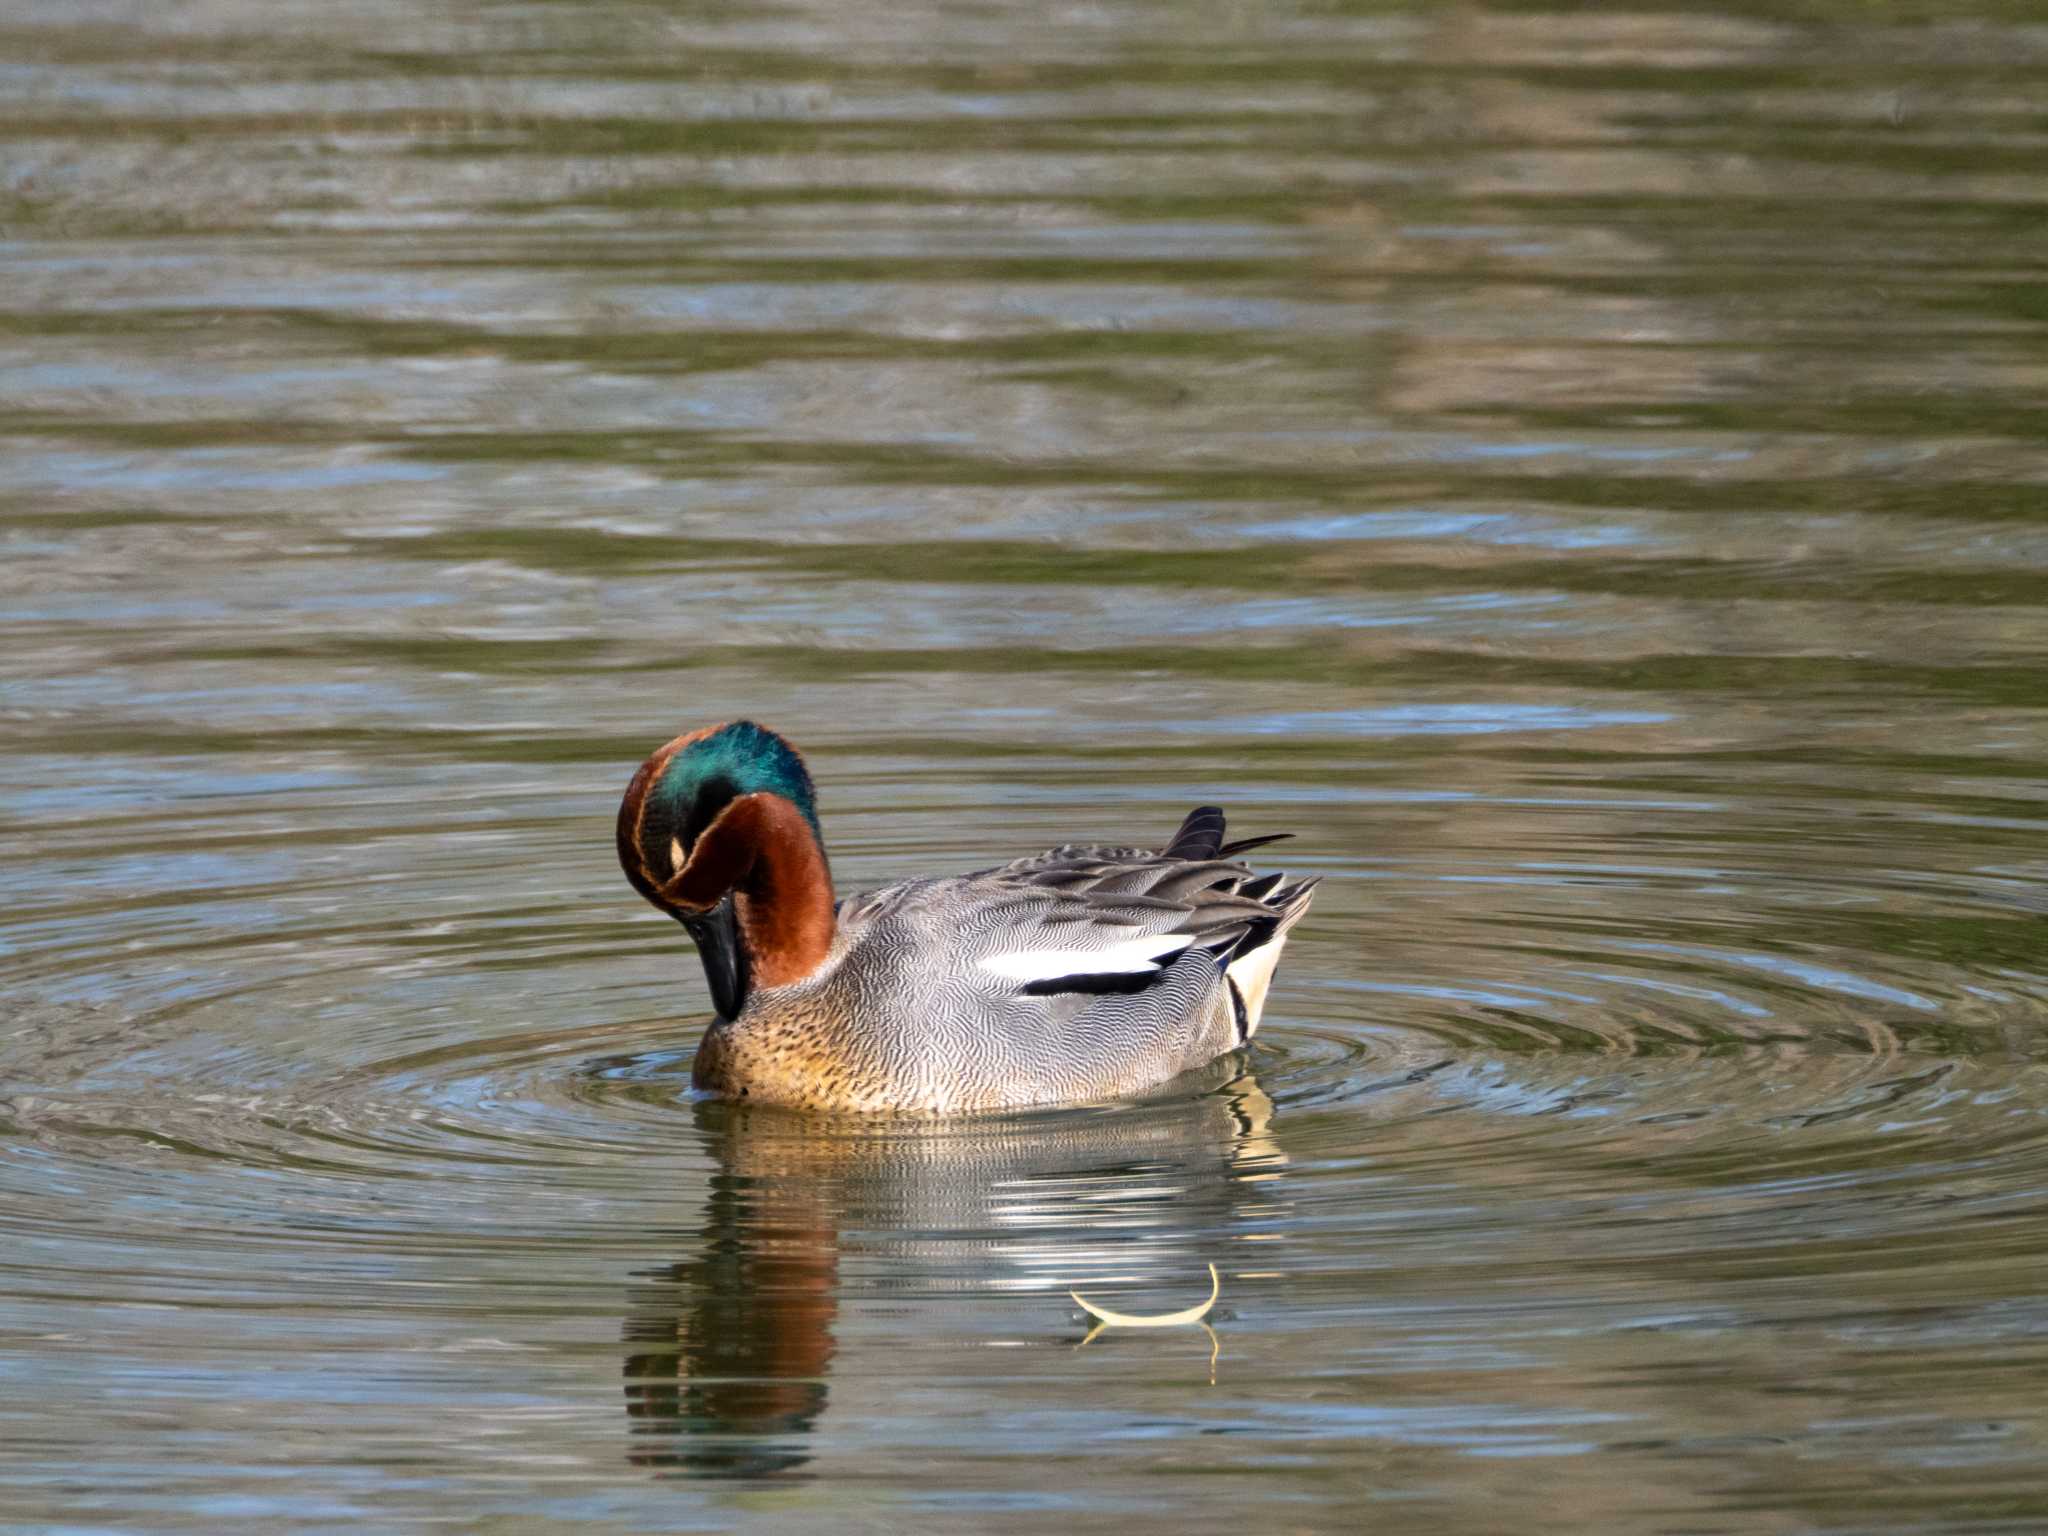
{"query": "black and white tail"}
[(1249, 964)]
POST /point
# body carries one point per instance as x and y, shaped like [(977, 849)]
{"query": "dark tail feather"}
[(1247, 844), (1199, 837)]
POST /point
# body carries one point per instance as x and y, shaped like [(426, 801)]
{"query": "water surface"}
[(1582, 470)]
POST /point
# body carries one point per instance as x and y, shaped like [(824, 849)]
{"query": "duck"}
[(1081, 974)]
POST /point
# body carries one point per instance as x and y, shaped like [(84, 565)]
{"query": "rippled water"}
[(1583, 471)]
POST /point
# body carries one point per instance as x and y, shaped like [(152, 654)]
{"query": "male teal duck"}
[(1080, 973)]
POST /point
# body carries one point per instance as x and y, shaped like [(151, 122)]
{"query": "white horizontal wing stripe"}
[(1143, 954)]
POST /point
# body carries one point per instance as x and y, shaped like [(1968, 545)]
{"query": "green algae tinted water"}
[(1584, 471)]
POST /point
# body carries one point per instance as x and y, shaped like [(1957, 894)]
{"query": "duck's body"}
[(1082, 973)]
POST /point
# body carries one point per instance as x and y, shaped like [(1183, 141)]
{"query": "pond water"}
[(1583, 471)]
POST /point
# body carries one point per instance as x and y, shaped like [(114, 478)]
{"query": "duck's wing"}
[(1082, 918)]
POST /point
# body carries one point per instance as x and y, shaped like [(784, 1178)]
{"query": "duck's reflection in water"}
[(728, 1352)]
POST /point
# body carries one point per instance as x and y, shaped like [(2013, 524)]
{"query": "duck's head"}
[(719, 829)]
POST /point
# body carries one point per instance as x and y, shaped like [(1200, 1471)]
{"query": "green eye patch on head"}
[(709, 774)]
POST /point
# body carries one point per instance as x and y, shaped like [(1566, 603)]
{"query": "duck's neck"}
[(764, 852), (785, 903)]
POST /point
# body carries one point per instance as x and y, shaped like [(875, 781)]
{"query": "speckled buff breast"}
[(1080, 973)]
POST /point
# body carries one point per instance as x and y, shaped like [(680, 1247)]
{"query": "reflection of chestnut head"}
[(725, 1369)]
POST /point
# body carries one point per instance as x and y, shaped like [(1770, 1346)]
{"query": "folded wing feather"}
[(1147, 953)]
